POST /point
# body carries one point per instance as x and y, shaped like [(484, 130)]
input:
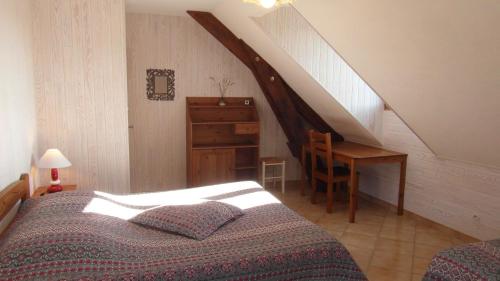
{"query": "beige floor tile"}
[(392, 261), (397, 233), (368, 218), (420, 265), (359, 240), (366, 229), (400, 221), (427, 251), (361, 255), (333, 224), (434, 238), (426, 226), (384, 245), (394, 246), (336, 234), (381, 274), (339, 227), (417, 277)]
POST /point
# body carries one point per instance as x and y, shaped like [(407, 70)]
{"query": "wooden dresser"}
[(222, 141)]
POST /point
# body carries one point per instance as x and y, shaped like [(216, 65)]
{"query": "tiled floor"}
[(385, 246)]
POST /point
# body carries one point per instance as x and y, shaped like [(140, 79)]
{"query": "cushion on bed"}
[(196, 221)]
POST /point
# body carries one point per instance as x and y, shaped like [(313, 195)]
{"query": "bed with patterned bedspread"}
[(470, 262), (87, 236)]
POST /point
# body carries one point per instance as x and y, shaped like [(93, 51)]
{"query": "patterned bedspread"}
[(86, 236), (471, 262)]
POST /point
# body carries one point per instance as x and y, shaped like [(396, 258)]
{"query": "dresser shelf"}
[(222, 141)]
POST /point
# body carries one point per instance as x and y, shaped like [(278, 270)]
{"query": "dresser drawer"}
[(246, 129)]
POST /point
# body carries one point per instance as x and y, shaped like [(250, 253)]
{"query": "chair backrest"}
[(321, 149)]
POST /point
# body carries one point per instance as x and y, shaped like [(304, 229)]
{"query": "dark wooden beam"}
[(274, 88), (222, 33), (294, 115), (313, 119)]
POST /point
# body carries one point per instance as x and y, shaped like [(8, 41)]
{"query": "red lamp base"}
[(54, 188)]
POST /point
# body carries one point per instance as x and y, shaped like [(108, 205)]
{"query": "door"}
[(212, 166)]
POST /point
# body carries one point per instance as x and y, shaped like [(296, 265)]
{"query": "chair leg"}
[(313, 193), (357, 186), (329, 196)]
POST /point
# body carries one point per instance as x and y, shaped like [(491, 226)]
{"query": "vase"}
[(222, 102)]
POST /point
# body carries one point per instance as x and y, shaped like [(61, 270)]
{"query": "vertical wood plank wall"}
[(462, 196), (17, 96), (289, 30), (81, 90), (158, 137)]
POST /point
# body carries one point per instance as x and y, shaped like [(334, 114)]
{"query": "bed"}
[(87, 236), (477, 261)]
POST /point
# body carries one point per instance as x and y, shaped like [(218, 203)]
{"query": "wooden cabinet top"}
[(42, 191), (206, 111)]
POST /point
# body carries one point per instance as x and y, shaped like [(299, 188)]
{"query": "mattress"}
[(87, 236)]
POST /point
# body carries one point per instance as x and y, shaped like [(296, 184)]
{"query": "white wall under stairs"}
[(287, 28)]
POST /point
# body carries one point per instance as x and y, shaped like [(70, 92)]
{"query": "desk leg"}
[(353, 194), (402, 182)]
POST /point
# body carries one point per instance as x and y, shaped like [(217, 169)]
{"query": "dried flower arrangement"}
[(223, 85)]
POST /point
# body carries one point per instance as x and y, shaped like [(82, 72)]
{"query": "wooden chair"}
[(322, 168)]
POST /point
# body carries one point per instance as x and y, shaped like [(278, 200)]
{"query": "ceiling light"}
[(269, 3)]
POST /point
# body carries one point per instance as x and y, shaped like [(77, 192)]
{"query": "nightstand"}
[(42, 191)]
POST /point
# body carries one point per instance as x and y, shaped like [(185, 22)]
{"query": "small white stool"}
[(273, 162)]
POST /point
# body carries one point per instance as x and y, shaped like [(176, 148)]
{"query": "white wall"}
[(17, 100), (158, 139), (81, 90), (436, 63), (462, 196), (287, 28)]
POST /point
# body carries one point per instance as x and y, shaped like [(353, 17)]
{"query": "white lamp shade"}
[(53, 158)]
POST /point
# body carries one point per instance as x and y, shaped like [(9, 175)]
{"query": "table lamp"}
[(53, 159)]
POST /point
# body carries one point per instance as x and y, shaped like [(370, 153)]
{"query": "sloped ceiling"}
[(436, 63)]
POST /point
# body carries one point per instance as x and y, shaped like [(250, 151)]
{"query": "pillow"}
[(195, 221)]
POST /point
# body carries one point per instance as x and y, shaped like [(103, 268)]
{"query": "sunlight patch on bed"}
[(243, 195), (179, 197), (251, 200), (108, 208)]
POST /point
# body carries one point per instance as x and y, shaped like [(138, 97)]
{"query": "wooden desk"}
[(354, 154)]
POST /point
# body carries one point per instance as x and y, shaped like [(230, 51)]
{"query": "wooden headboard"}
[(18, 190)]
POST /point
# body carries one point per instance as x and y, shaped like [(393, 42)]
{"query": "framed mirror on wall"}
[(160, 84)]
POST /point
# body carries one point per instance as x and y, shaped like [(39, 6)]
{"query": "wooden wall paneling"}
[(295, 35), (158, 137), (459, 195), (81, 90), (17, 97)]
